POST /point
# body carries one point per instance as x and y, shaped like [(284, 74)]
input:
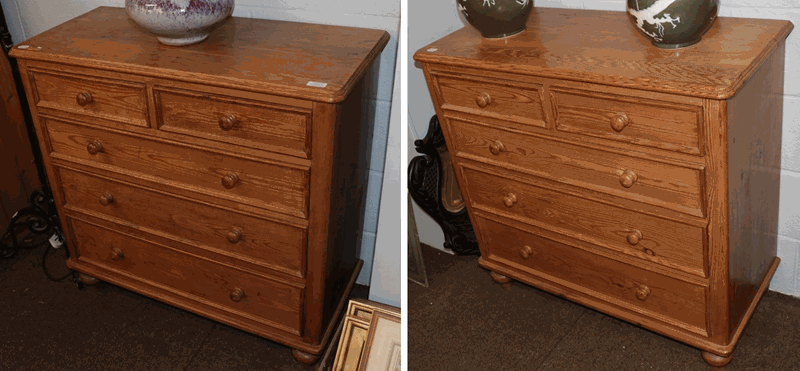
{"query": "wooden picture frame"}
[(383, 348), (355, 333)]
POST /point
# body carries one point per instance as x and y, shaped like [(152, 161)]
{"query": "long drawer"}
[(258, 299), (270, 186), (633, 288), (274, 245), (662, 241), (674, 187)]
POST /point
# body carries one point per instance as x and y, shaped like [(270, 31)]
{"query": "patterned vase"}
[(673, 23), (179, 22), (496, 18)]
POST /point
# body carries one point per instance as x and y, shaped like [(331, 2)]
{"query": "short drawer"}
[(270, 302), (272, 186), (271, 127), (656, 183), (669, 126), (620, 284), (508, 100), (107, 98), (270, 244), (662, 241)]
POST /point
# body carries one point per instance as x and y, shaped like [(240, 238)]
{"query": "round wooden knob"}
[(229, 181), (496, 148), (642, 292), (634, 237), (227, 122), (117, 254), (510, 200), (619, 121), (106, 199), (628, 178), (483, 99), (94, 147), (84, 98), (525, 252), (234, 236), (237, 294)]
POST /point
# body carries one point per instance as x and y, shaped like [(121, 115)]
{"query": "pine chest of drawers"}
[(224, 178), (638, 181)]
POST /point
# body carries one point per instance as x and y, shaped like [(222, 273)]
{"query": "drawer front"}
[(623, 285), (256, 298), (656, 183), (107, 98), (266, 185), (654, 239), (271, 127), (502, 99), (669, 126), (273, 245)]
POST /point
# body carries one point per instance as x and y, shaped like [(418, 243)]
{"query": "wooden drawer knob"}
[(628, 178), (237, 294), (229, 181), (227, 122), (106, 199), (496, 148), (94, 147), (619, 121), (634, 237), (525, 252), (117, 254), (642, 292), (235, 236), (483, 99), (84, 98), (510, 200)]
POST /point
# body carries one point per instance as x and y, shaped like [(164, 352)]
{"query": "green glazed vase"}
[(496, 18), (673, 24)]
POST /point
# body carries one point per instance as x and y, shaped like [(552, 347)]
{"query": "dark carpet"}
[(45, 325), (464, 321)]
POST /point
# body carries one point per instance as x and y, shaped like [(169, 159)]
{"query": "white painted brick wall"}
[(787, 278), (27, 18)]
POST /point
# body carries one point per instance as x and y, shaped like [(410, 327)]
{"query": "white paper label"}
[(317, 84), (55, 241)]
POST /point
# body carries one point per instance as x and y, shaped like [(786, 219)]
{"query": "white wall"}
[(27, 18), (437, 21)]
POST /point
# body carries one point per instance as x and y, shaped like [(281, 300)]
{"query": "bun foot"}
[(504, 281), (303, 357), (88, 280), (715, 360)]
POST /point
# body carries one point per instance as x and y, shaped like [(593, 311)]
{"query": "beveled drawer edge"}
[(608, 305), (702, 272), (591, 248), (156, 90), (698, 150)]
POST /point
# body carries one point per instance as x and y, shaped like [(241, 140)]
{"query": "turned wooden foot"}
[(88, 280), (303, 357), (715, 360), (504, 281)]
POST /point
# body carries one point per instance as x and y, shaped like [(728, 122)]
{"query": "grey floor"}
[(464, 321), (46, 325)]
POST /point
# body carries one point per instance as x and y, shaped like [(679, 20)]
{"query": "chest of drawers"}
[(638, 181), (213, 177)]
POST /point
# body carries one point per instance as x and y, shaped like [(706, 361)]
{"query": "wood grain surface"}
[(251, 54), (566, 44)]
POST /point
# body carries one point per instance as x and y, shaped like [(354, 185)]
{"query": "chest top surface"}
[(257, 54), (605, 47)]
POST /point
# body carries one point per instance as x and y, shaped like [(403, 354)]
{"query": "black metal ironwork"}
[(425, 174)]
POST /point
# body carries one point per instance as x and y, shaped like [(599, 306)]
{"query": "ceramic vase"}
[(179, 22), (496, 18), (673, 23)]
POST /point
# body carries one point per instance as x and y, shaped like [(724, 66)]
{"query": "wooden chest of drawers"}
[(213, 177), (638, 181)]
